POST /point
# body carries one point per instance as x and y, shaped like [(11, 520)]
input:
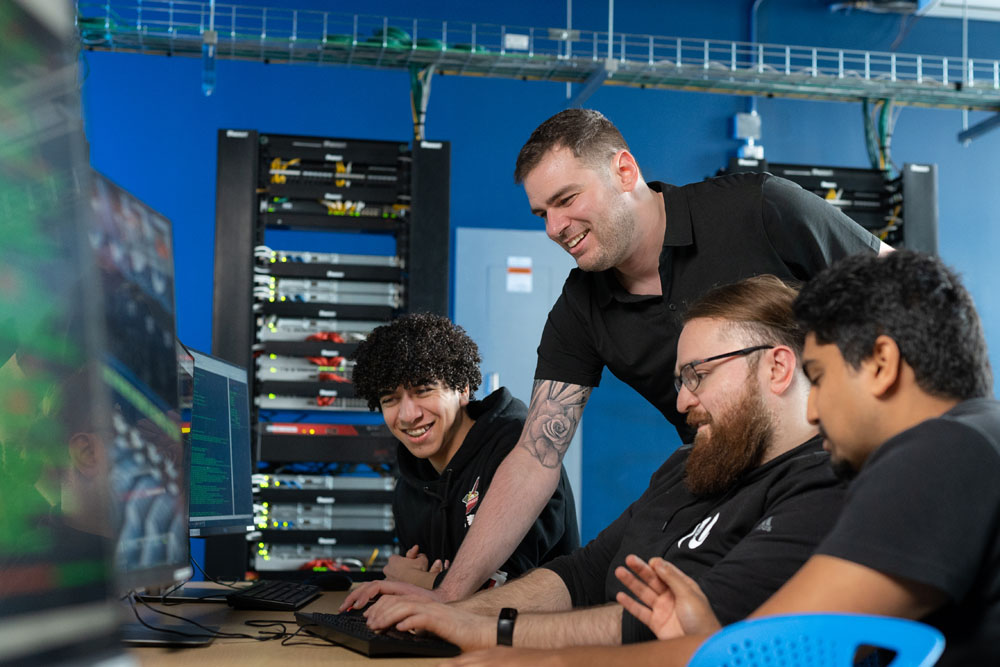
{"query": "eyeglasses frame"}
[(679, 378)]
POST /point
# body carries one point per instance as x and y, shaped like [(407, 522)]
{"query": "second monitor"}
[(221, 493)]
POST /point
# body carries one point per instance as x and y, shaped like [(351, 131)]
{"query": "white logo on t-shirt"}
[(700, 532)]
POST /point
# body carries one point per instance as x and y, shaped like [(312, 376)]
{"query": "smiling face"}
[(582, 210), (840, 405), (429, 419)]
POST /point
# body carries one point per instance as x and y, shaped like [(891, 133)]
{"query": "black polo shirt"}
[(718, 231)]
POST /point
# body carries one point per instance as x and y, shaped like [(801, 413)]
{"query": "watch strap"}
[(505, 626)]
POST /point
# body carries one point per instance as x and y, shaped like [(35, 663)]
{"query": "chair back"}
[(818, 640)]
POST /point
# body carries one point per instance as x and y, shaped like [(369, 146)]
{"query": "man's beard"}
[(737, 444), (614, 235)]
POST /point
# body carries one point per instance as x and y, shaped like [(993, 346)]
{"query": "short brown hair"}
[(592, 138), (760, 306)]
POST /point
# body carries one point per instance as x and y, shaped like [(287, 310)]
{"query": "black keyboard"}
[(351, 631), (274, 596)]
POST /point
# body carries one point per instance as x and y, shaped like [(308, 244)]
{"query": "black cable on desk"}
[(287, 640), (261, 637)]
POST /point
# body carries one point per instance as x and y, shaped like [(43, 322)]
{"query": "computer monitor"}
[(56, 536), (221, 500), (215, 428), (149, 489)]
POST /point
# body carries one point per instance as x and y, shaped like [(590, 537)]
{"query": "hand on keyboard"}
[(360, 596), (349, 629), (410, 613)]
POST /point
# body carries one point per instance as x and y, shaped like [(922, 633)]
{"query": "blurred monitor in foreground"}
[(56, 533)]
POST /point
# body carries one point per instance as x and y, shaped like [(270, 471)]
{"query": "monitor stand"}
[(137, 634), (191, 592), (165, 631)]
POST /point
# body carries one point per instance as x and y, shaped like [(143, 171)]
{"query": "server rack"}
[(294, 317)]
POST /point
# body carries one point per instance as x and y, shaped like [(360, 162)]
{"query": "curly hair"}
[(914, 299), (412, 350)]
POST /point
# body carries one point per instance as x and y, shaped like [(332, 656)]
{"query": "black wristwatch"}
[(505, 626)]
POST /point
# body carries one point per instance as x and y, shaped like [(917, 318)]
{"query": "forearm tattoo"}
[(552, 419)]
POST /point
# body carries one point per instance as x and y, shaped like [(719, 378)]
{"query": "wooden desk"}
[(249, 653)]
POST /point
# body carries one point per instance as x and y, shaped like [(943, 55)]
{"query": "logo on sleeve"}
[(700, 533), (765, 525)]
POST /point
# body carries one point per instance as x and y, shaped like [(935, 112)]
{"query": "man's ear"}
[(782, 365), (464, 396), (624, 170), (84, 453), (882, 368)]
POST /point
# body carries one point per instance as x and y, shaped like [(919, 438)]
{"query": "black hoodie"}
[(435, 511)]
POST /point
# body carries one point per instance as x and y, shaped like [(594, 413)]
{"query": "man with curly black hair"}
[(421, 372)]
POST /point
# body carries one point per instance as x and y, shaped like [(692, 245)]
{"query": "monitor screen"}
[(149, 489), (221, 492), (56, 535)]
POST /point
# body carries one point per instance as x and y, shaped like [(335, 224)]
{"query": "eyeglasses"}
[(690, 378)]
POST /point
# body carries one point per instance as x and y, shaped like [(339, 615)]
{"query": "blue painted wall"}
[(152, 131)]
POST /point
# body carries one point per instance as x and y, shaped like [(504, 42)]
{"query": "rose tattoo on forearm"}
[(552, 419)]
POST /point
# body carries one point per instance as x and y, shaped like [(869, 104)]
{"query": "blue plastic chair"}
[(818, 640)]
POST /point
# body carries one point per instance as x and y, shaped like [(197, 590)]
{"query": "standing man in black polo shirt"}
[(644, 250)]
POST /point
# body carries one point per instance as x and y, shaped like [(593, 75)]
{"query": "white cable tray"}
[(182, 27)]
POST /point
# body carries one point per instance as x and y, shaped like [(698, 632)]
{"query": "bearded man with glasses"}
[(740, 510)]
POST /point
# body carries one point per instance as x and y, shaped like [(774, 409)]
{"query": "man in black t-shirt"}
[(740, 510), (644, 251), (901, 392)]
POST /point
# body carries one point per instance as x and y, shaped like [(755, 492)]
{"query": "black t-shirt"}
[(926, 507), (719, 231), (740, 547)]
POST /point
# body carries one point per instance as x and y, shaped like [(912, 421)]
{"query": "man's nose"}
[(409, 410), (556, 223), (812, 414), (686, 399)]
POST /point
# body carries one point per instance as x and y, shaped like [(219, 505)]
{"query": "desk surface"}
[(307, 651)]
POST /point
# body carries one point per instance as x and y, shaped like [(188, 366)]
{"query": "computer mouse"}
[(332, 581)]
